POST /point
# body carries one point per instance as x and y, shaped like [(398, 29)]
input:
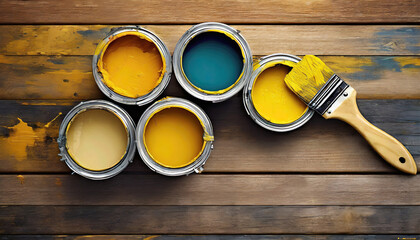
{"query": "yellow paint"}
[(404, 61), (52, 40), (271, 97), (21, 179), (151, 237), (49, 123), (96, 139), (47, 103), (131, 64), (240, 76), (307, 77), (347, 64), (21, 137), (173, 137)]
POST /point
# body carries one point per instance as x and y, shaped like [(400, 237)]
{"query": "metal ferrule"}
[(328, 94)]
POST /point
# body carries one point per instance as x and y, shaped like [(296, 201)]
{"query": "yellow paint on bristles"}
[(308, 77)]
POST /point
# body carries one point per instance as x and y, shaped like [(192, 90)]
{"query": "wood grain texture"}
[(389, 148), (142, 11), (29, 144), (209, 219), (135, 189), (263, 39), (70, 77), (209, 237)]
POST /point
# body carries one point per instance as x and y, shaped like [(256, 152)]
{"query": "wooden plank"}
[(70, 77), (29, 144), (263, 39), (209, 219), (211, 190), (209, 237), (142, 11)]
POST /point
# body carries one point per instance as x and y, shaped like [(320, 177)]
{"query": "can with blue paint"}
[(212, 61)]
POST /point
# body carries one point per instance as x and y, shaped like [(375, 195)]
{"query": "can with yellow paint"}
[(212, 61), (132, 65), (174, 137), (97, 139), (268, 100)]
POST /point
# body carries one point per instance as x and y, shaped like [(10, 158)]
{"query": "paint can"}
[(232, 44), (151, 90), (107, 108), (149, 118), (260, 66)]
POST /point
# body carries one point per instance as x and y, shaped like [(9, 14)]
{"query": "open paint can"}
[(212, 61), (269, 101), (132, 65), (174, 137), (97, 139)]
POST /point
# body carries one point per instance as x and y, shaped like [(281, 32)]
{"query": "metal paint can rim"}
[(125, 160), (149, 97), (179, 51), (194, 167), (249, 106)]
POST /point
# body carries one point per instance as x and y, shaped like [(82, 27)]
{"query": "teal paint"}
[(407, 38), (212, 61)]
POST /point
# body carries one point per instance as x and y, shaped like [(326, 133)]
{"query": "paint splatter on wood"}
[(21, 137), (21, 179), (335, 39)]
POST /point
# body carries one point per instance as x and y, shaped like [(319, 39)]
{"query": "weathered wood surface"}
[(210, 219), (263, 39), (210, 237), (143, 11), (29, 144), (238, 189), (70, 77), (318, 179)]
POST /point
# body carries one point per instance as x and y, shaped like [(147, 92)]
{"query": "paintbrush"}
[(324, 92)]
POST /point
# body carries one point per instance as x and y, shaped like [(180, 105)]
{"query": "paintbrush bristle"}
[(308, 77)]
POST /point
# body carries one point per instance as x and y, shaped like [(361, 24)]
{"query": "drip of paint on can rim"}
[(212, 62)]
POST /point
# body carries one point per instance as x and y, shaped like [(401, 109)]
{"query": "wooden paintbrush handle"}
[(387, 146)]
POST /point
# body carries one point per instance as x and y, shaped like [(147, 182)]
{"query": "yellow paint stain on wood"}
[(42, 81), (21, 179), (346, 64), (150, 237), (414, 64), (47, 103), (351, 219), (22, 136), (47, 39)]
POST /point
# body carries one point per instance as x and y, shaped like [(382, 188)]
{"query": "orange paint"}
[(131, 65)]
